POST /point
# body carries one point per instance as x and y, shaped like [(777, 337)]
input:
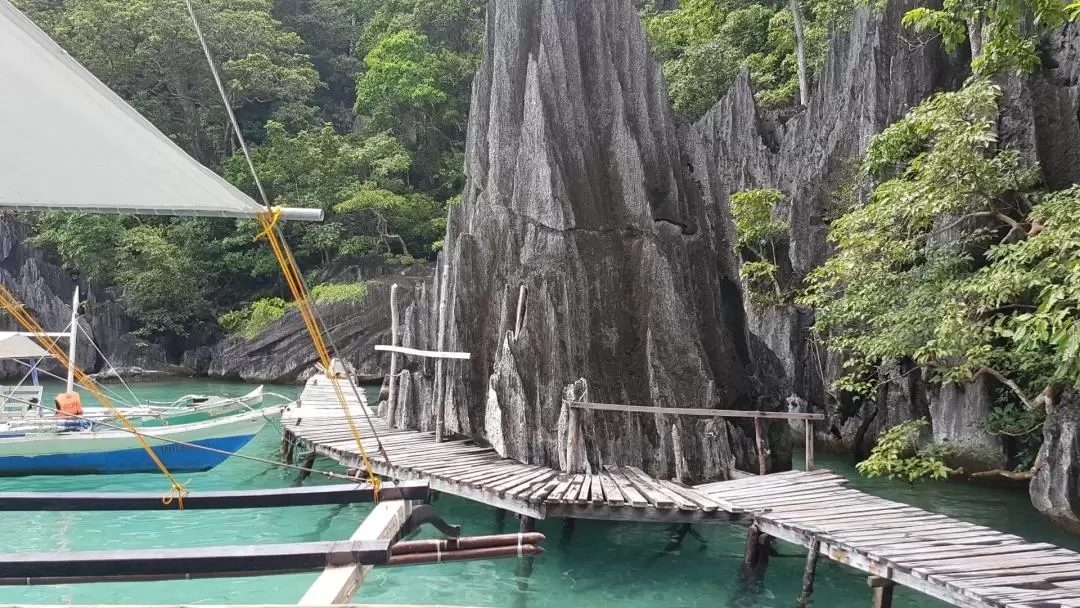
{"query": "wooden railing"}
[(757, 417)]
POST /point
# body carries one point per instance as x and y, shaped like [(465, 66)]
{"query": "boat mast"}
[(74, 335)]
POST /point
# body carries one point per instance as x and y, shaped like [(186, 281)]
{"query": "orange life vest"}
[(69, 405)]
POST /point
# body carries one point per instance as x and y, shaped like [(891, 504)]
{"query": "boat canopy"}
[(14, 345), (68, 143)]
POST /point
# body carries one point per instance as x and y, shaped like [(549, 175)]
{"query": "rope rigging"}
[(270, 230)]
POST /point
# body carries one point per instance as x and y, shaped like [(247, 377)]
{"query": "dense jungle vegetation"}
[(357, 107)]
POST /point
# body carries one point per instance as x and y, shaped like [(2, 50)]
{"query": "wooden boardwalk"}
[(963, 564), (478, 473)]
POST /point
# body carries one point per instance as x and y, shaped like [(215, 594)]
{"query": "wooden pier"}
[(963, 564), (966, 565), (463, 468)]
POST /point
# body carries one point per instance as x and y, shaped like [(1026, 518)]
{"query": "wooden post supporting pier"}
[(760, 441), (809, 571), (520, 318), (391, 399), (883, 591), (809, 425), (525, 562)]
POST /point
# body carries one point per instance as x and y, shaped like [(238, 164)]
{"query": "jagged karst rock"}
[(584, 189), (1055, 488), (283, 352), (872, 76), (45, 289)]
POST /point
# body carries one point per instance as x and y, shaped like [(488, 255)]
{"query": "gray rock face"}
[(1055, 489), (872, 76), (584, 189), (283, 352), (46, 290)]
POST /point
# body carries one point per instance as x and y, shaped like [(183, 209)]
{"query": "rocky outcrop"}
[(46, 289), (584, 190), (1055, 488), (283, 351), (873, 75)]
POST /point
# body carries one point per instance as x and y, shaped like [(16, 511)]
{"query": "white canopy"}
[(68, 143), (17, 346)]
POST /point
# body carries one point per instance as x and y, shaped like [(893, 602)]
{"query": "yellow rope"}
[(16, 309), (295, 281)]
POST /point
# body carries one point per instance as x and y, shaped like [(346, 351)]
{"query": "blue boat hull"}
[(177, 458)]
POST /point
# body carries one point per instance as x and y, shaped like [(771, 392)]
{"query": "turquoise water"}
[(602, 564)]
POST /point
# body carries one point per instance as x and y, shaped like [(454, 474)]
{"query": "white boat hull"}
[(112, 452)]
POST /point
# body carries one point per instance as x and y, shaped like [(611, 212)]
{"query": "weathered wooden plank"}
[(541, 493), (686, 411), (427, 354), (612, 495), (596, 490), (575, 488), (627, 489), (338, 584), (655, 488), (583, 492), (507, 487), (556, 494)]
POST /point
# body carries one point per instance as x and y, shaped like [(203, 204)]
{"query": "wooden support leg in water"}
[(308, 464), (525, 562), (808, 573), (883, 591), (567, 531), (285, 453), (750, 558), (500, 520), (677, 538)]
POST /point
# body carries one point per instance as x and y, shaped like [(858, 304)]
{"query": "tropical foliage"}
[(356, 107)]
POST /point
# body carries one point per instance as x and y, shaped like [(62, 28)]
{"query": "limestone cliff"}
[(46, 289), (872, 76), (583, 189), (283, 351)]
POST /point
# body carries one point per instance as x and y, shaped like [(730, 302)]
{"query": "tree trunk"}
[(800, 52)]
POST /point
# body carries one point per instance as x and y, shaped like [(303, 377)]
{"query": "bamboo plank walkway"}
[(961, 563), (462, 468)]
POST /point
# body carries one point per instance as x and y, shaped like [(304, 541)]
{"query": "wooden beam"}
[(199, 562), (338, 584), (430, 354), (685, 411), (339, 494), (759, 442)]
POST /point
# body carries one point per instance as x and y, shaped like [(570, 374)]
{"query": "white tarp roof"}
[(68, 143), (17, 346)]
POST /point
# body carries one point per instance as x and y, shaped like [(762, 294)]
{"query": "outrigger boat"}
[(23, 405), (182, 448)]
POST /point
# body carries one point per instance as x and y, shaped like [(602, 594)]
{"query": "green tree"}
[(704, 45), (146, 51)]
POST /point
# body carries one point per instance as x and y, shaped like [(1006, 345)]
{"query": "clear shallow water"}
[(603, 564)]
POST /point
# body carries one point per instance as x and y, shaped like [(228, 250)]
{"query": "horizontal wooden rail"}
[(339, 494), (201, 562), (686, 411), (430, 354)]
